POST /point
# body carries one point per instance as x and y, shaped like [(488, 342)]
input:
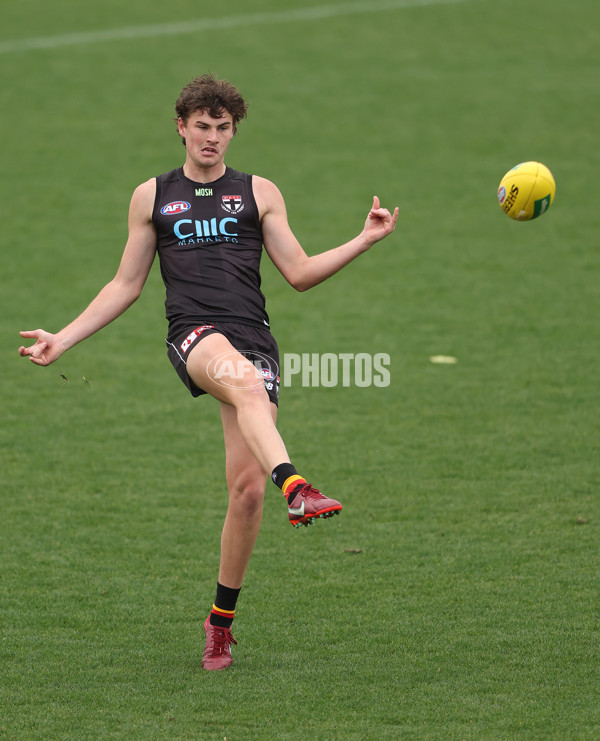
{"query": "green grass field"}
[(456, 597)]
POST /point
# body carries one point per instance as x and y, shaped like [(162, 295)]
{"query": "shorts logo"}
[(175, 207), (185, 345), (232, 204)]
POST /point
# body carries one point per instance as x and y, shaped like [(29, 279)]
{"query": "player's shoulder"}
[(142, 200), (266, 193), (145, 188), (246, 177), (263, 184)]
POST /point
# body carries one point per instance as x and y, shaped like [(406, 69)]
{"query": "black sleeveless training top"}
[(209, 247)]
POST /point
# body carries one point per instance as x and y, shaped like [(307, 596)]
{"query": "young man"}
[(208, 224)]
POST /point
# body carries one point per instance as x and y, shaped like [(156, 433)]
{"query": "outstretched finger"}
[(38, 354), (34, 350)]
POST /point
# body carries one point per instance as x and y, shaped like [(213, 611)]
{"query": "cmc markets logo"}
[(247, 369), (175, 207)]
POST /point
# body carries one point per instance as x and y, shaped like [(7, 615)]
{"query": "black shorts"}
[(256, 344)]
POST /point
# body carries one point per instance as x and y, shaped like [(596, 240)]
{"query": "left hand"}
[(380, 222)]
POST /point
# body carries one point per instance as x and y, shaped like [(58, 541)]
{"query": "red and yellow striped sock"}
[(290, 484), (222, 616), (287, 479)]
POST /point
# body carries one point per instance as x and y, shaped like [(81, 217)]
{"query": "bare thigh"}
[(241, 466), (216, 367)]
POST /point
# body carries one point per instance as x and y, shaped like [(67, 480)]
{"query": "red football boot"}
[(309, 504), (217, 654)]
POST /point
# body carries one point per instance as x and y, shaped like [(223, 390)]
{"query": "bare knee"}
[(247, 491), (251, 398)]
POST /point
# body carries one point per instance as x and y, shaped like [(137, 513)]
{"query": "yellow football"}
[(527, 191)]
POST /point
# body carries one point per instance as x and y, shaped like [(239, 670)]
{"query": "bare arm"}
[(116, 296), (300, 270)]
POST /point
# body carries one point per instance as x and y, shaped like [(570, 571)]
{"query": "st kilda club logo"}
[(232, 204)]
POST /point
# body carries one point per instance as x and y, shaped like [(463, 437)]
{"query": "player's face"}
[(206, 138)]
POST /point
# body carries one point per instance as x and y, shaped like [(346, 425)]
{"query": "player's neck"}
[(203, 174)]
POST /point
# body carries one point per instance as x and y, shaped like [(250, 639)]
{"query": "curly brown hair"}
[(206, 93)]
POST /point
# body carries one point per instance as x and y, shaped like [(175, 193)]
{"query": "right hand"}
[(46, 350)]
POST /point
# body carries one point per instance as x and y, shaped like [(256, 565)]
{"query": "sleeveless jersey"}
[(209, 247)]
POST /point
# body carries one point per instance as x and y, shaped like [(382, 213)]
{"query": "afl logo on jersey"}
[(232, 204), (175, 207)]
